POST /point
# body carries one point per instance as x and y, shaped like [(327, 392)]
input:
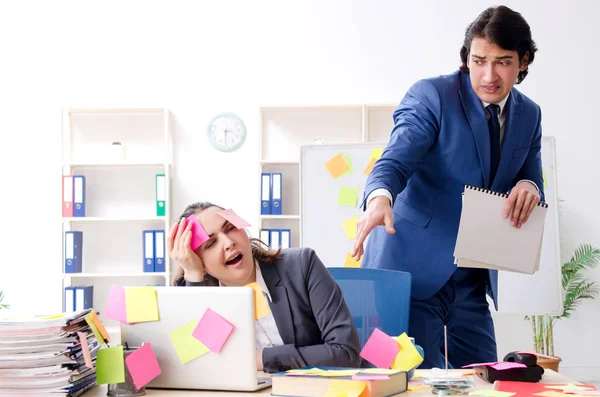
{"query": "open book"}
[(486, 239)]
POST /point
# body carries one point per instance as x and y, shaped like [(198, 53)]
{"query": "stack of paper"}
[(47, 354), (487, 240)]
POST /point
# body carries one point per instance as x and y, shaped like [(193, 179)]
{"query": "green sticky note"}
[(348, 162), (186, 346), (544, 179), (348, 196), (110, 366)]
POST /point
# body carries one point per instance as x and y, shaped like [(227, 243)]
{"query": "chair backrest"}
[(376, 298)]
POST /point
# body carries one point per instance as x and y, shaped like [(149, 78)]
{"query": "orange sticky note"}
[(85, 349), (337, 166), (92, 324), (369, 167), (351, 262), (261, 307)]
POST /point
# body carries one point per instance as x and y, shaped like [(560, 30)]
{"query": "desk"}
[(100, 391)]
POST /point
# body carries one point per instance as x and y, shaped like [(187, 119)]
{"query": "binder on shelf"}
[(264, 236), (161, 195), (148, 237), (69, 305), (159, 251), (84, 297), (67, 197), (73, 252), (265, 195), (79, 195), (276, 194), (285, 238), (274, 238)]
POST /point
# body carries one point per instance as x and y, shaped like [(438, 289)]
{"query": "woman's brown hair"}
[(260, 250)]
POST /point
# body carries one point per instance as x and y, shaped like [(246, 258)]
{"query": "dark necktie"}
[(494, 126)]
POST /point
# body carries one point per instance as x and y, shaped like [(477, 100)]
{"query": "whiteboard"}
[(322, 218)]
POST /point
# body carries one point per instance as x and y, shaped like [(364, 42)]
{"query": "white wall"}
[(237, 55)]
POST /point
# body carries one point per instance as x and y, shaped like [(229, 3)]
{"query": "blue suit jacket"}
[(439, 143)]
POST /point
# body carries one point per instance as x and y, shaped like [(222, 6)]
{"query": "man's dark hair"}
[(505, 28)]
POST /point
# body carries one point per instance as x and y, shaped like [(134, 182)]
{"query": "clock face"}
[(226, 132)]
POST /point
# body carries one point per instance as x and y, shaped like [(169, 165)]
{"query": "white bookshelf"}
[(284, 129), (120, 195)]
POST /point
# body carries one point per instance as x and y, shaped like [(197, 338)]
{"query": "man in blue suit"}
[(470, 127)]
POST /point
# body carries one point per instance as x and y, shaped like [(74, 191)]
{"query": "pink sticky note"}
[(234, 218), (142, 365), (508, 365), (370, 377), (85, 349), (212, 330), (116, 307), (480, 365), (199, 235), (380, 350)]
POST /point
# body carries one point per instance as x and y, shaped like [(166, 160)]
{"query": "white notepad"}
[(486, 239)]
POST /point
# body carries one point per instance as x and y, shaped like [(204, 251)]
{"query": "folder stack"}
[(276, 238), (487, 240), (78, 298), (270, 196), (73, 252), (73, 196), (48, 355), (154, 251)]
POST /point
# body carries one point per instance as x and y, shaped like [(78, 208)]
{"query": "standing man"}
[(469, 127)]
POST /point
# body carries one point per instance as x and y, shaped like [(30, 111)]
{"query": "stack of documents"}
[(487, 240), (43, 355)]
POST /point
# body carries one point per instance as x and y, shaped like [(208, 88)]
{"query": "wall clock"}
[(226, 132)]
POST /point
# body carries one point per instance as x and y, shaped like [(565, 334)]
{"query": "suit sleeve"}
[(340, 346), (532, 167), (416, 127)]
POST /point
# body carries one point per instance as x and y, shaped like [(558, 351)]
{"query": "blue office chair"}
[(376, 298)]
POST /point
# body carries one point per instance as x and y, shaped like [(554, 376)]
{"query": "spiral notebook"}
[(486, 240)]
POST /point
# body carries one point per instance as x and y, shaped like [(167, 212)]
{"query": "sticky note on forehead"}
[(233, 218), (199, 235)]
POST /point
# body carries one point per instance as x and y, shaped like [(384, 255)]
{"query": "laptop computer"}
[(233, 368)]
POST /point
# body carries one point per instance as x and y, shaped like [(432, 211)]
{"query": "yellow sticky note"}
[(141, 304), (186, 346), (369, 167), (552, 393), (376, 153), (348, 162), (110, 365), (491, 393), (544, 179), (417, 387), (339, 372), (569, 386), (408, 357), (351, 262), (261, 306), (312, 371), (350, 227), (337, 166), (348, 196), (349, 388), (95, 330), (379, 371)]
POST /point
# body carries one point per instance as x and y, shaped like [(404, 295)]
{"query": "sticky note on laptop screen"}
[(141, 304), (212, 330), (186, 346), (380, 349), (115, 306)]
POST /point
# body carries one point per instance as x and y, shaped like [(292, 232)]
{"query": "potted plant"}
[(576, 288), (3, 305)]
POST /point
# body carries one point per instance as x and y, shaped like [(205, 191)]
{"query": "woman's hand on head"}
[(178, 249)]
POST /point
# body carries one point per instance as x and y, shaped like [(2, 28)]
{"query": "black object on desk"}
[(531, 373)]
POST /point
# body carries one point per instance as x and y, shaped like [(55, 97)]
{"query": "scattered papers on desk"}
[(212, 330), (233, 218), (500, 366), (142, 304), (143, 365), (336, 166), (110, 367), (328, 373), (539, 389), (47, 354), (261, 306), (569, 386), (186, 346)]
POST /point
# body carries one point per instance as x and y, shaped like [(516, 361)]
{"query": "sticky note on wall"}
[(348, 196), (351, 262), (350, 227), (337, 166)]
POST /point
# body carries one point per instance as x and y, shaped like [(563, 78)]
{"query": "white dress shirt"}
[(501, 119)]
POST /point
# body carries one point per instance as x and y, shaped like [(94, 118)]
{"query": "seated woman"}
[(309, 323)]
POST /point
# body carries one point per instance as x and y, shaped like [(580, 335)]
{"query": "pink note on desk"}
[(234, 218), (212, 330), (500, 366), (142, 365), (115, 306), (199, 235), (380, 350)]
